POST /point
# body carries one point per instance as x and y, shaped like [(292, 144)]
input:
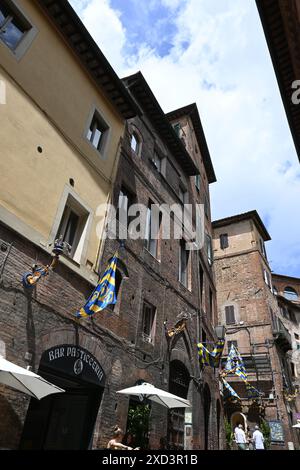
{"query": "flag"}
[(104, 294), (252, 392), (236, 363), (211, 358), (230, 389)]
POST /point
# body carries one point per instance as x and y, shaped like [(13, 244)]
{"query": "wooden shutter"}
[(224, 241), (229, 314)]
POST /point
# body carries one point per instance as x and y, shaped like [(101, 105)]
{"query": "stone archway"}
[(238, 418), (179, 381)]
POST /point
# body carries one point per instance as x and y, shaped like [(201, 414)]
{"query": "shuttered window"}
[(224, 241), (229, 314)]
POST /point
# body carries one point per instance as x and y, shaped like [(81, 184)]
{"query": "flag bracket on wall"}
[(30, 279)]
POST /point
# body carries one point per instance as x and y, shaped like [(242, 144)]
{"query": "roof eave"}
[(68, 23)]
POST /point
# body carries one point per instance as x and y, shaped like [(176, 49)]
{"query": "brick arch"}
[(67, 335), (178, 355), (184, 356)]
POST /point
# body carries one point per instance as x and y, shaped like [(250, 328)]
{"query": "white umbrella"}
[(167, 399), (25, 381), (296, 425)]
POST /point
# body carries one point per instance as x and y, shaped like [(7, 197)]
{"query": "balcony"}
[(281, 335)]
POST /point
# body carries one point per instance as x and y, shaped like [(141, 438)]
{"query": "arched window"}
[(135, 143), (290, 293)]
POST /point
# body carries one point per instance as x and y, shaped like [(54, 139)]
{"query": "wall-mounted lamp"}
[(220, 331)]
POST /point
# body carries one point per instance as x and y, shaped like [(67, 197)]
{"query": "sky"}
[(214, 53)]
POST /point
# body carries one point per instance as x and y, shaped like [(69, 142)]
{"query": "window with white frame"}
[(197, 182), (73, 227), (149, 323), (135, 143), (97, 132), (183, 195), (183, 263), (157, 161), (126, 199), (209, 249), (153, 223), (13, 25)]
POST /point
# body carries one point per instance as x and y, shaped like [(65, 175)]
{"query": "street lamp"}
[(220, 331)]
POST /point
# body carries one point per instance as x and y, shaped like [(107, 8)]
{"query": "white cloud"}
[(220, 60), (105, 26)]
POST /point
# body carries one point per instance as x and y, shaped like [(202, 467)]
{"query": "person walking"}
[(240, 437), (258, 439)]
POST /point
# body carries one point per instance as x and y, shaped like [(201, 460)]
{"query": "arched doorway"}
[(206, 410), (238, 418), (65, 421), (178, 385)]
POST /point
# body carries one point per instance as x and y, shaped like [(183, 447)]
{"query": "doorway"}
[(64, 421)]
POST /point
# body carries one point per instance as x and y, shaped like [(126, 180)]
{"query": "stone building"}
[(62, 116), (163, 284), (248, 307), (287, 290)]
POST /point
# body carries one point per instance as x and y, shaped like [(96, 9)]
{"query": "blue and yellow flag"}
[(104, 294), (211, 358), (230, 389), (252, 392), (236, 363)]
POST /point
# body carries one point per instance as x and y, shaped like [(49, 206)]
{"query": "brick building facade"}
[(158, 167), (249, 309)]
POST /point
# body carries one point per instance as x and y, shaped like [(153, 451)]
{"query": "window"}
[(229, 343), (135, 143), (177, 128), (183, 263), (157, 161), (229, 315), (296, 336), (267, 278), (209, 249), (224, 241), (198, 182), (262, 247), (97, 132), (183, 195), (206, 206), (211, 305), (73, 227), (148, 330), (201, 275), (203, 336), (298, 345), (13, 25), (153, 223), (126, 199), (293, 369), (290, 293)]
